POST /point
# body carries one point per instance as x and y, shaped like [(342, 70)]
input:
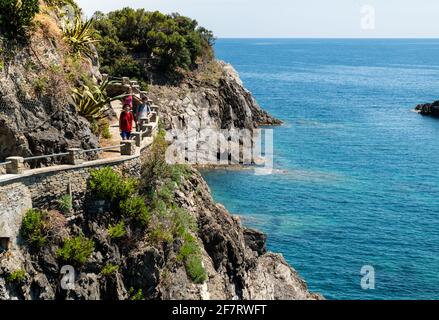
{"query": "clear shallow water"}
[(358, 179)]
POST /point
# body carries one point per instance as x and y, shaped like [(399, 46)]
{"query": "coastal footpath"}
[(132, 226)]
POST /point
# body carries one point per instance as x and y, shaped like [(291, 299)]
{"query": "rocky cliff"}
[(213, 97), (235, 259), (36, 113), (36, 117)]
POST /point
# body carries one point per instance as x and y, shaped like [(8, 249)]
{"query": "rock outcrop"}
[(429, 109), (36, 113), (212, 98)]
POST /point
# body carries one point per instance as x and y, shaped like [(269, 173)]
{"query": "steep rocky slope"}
[(234, 257), (36, 113), (213, 97)]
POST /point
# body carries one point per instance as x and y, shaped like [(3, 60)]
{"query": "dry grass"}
[(210, 72), (56, 71)]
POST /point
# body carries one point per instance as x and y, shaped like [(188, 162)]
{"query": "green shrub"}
[(195, 269), (179, 171), (40, 85), (117, 231), (17, 276), (136, 209), (108, 184), (166, 193), (76, 250), (109, 269), (155, 169), (190, 252), (183, 222), (16, 16), (135, 295), (188, 249), (159, 233), (65, 203), (33, 229), (105, 130)]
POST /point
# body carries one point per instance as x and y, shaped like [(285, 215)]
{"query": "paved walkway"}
[(115, 134)]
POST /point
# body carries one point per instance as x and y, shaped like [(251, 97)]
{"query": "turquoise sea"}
[(357, 180)]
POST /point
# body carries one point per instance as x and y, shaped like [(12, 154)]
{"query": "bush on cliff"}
[(76, 250), (33, 228), (109, 269), (135, 208), (117, 231), (80, 36), (16, 16), (110, 185), (169, 221), (195, 269), (16, 276)]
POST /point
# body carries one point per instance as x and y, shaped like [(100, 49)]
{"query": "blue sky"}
[(296, 18)]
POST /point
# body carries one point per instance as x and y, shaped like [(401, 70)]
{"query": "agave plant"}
[(80, 36), (93, 102)]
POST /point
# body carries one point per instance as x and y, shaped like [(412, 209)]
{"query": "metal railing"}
[(101, 149), (73, 154), (55, 155)]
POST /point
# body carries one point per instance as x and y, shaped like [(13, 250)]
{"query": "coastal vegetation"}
[(80, 37), (16, 17), (92, 102), (150, 208), (142, 44), (16, 276), (76, 250), (34, 228)]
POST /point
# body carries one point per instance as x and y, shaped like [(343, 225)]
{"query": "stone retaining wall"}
[(47, 185)]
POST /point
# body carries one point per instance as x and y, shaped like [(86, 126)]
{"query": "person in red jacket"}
[(126, 120)]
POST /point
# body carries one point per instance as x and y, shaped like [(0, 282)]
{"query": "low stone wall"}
[(47, 185)]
